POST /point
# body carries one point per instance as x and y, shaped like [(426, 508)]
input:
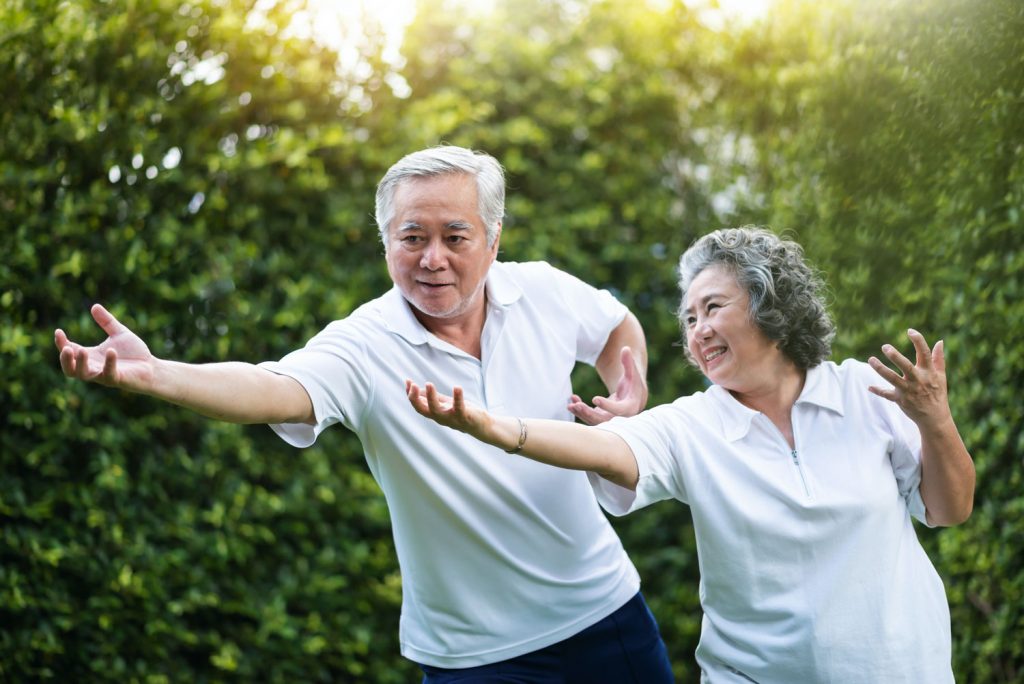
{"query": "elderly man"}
[(510, 572)]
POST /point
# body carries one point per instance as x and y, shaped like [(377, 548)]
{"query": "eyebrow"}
[(452, 225), (703, 300)]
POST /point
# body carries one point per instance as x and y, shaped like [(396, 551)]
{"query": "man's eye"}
[(690, 321), (454, 239)]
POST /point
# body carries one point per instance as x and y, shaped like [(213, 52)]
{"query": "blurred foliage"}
[(208, 173)]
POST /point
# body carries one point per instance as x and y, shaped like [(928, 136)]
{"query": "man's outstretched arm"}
[(233, 391)]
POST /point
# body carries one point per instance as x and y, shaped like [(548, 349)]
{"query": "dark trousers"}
[(623, 648)]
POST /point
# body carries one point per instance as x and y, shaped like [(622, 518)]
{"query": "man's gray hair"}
[(786, 298), (439, 161)]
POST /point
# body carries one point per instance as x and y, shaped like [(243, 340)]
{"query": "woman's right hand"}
[(451, 411)]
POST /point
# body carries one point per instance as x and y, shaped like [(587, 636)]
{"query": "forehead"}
[(714, 280), (449, 197)]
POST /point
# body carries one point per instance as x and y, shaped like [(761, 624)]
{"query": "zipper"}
[(800, 471), (794, 455)]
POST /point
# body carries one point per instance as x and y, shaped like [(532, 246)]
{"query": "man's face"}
[(437, 249)]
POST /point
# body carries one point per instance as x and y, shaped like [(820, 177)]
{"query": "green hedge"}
[(210, 178)]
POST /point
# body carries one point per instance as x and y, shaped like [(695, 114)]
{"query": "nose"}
[(702, 330), (433, 257)]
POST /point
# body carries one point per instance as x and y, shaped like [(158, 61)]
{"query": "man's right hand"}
[(122, 360), (233, 391), (628, 399)]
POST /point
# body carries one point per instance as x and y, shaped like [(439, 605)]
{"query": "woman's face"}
[(728, 347)]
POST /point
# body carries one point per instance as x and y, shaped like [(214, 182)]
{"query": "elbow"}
[(964, 514), (953, 516)]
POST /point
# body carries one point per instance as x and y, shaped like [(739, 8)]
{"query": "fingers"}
[(110, 366), (433, 399), (82, 371), (67, 360), (413, 392), (939, 356), (898, 359), (68, 351), (924, 355), (608, 404), (588, 414), (884, 393), (106, 320), (888, 374)]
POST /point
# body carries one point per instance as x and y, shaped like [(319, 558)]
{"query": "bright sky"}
[(395, 15)]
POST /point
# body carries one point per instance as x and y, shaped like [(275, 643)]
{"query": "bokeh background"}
[(207, 168)]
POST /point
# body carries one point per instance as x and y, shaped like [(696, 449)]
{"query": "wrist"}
[(935, 424), (520, 437)]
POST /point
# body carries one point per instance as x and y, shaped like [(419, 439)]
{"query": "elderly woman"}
[(802, 475)]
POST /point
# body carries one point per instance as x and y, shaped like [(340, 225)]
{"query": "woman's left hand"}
[(921, 388)]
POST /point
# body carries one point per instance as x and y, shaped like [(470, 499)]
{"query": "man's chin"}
[(435, 311)]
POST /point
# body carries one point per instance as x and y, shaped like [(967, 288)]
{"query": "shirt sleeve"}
[(659, 440), (332, 370), (905, 452), (906, 460), (597, 312)]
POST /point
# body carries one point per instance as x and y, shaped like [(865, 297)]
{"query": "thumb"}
[(628, 363), (106, 320)]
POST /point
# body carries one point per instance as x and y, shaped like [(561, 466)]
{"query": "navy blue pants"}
[(624, 648)]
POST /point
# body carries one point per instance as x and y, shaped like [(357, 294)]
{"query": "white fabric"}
[(500, 555), (810, 567)]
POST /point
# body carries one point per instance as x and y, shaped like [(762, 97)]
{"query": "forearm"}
[(628, 333), (232, 391), (947, 474), (567, 445)]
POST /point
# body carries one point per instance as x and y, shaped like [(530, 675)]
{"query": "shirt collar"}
[(821, 388), (502, 291)]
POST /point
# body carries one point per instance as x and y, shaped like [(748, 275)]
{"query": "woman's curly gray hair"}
[(786, 300)]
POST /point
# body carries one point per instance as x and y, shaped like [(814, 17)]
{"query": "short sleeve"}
[(905, 449), (659, 440), (906, 459), (333, 370), (597, 312)]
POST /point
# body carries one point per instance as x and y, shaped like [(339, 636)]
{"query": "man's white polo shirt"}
[(499, 555), (810, 567)]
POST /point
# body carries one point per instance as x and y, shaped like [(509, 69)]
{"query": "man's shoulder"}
[(366, 320), (525, 269), (536, 277)]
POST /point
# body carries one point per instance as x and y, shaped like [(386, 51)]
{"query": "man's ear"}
[(497, 241)]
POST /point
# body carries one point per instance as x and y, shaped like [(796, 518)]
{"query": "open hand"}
[(451, 411), (629, 398), (122, 360), (921, 388)]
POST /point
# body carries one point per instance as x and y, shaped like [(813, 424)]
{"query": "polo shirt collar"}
[(398, 317), (821, 388)]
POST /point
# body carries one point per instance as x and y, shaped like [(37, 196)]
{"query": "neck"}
[(463, 331), (775, 398)]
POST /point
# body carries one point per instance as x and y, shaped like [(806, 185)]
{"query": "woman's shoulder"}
[(695, 409)]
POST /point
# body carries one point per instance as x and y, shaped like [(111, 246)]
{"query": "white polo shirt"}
[(499, 555), (810, 567)]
